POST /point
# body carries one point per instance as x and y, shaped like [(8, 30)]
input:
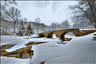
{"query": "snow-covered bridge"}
[(62, 33)]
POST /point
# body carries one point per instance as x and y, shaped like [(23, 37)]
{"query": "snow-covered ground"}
[(25, 41), (77, 51), (8, 39), (88, 29), (20, 41), (13, 60)]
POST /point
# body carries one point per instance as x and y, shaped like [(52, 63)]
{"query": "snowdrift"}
[(77, 51)]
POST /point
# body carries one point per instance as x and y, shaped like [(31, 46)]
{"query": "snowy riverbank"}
[(80, 50)]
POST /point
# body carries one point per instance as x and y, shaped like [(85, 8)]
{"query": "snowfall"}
[(79, 50)]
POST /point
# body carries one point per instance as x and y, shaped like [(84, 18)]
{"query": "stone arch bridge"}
[(62, 33)]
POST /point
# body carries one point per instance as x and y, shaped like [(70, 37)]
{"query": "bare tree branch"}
[(88, 7)]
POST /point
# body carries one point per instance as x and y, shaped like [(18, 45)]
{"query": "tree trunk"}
[(95, 23), (14, 27), (37, 29)]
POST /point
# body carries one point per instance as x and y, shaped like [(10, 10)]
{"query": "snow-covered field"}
[(80, 50)]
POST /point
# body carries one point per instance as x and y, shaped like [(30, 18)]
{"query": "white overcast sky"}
[(47, 11)]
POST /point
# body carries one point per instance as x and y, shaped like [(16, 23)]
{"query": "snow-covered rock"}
[(14, 48)]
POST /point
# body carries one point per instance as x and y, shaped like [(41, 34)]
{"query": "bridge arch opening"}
[(67, 35), (52, 35), (41, 35)]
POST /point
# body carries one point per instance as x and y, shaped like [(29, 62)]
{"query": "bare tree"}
[(4, 10), (58, 25), (5, 15), (37, 20), (14, 14), (53, 25), (7, 2), (25, 19), (10, 14), (86, 9), (65, 24)]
